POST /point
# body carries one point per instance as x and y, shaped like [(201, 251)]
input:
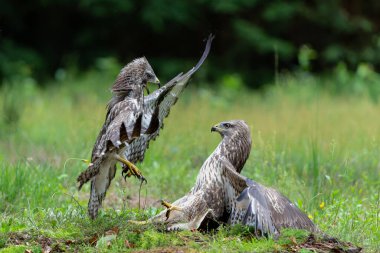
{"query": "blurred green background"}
[(254, 38)]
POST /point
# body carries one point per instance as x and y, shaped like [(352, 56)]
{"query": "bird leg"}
[(192, 225), (139, 222), (170, 208), (133, 170)]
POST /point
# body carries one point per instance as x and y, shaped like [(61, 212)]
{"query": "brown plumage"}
[(157, 107), (122, 125), (132, 121), (221, 190)]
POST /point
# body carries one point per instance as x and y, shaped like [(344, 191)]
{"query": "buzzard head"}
[(231, 128), (236, 143), (134, 77)]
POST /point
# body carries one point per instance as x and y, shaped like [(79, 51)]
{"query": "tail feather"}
[(94, 202), (99, 186), (91, 171)]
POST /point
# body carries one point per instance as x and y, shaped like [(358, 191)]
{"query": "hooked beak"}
[(157, 81), (216, 128)]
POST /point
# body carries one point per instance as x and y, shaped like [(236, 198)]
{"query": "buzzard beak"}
[(157, 81), (215, 129)]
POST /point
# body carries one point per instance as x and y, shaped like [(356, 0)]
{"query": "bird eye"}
[(227, 125), (149, 75)]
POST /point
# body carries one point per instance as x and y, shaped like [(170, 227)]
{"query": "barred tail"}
[(94, 202), (99, 186), (90, 172)]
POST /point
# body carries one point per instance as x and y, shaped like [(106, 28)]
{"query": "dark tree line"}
[(40, 36)]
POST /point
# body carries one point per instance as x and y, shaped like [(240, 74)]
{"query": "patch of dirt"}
[(48, 245), (18, 238), (325, 244)]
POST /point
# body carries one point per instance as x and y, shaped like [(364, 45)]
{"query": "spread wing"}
[(263, 208), (157, 107), (123, 123), (284, 213)]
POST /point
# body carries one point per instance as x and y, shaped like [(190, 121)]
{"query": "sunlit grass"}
[(312, 146)]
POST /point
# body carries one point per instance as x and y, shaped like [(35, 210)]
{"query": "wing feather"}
[(263, 208), (284, 213), (123, 122), (157, 107)]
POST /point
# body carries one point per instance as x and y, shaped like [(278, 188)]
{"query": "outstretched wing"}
[(265, 209), (157, 107), (284, 213)]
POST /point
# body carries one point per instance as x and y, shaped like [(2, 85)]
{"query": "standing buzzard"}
[(224, 195), (132, 121)]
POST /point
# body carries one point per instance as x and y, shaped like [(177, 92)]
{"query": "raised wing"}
[(264, 209), (157, 107)]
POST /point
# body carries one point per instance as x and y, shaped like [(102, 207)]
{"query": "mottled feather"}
[(157, 107), (225, 191)]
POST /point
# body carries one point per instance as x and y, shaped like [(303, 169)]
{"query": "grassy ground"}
[(320, 150)]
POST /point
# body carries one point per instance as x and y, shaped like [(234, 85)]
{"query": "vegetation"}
[(316, 131), (314, 139), (40, 38)]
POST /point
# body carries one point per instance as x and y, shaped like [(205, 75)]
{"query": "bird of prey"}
[(132, 120), (224, 195)]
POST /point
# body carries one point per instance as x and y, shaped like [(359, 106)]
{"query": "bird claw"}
[(135, 172), (129, 169), (142, 179), (128, 172), (170, 207)]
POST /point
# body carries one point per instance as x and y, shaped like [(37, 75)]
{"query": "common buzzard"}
[(221, 190), (132, 121)]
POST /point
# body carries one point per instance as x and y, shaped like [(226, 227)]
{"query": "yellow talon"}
[(170, 208), (132, 168)]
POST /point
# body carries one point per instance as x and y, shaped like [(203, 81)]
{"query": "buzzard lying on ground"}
[(132, 120), (221, 190)]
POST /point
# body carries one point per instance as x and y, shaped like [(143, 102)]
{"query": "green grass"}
[(318, 148)]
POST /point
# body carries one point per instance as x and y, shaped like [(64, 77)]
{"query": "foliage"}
[(41, 37), (318, 147)]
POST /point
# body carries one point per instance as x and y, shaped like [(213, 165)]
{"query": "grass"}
[(318, 148)]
